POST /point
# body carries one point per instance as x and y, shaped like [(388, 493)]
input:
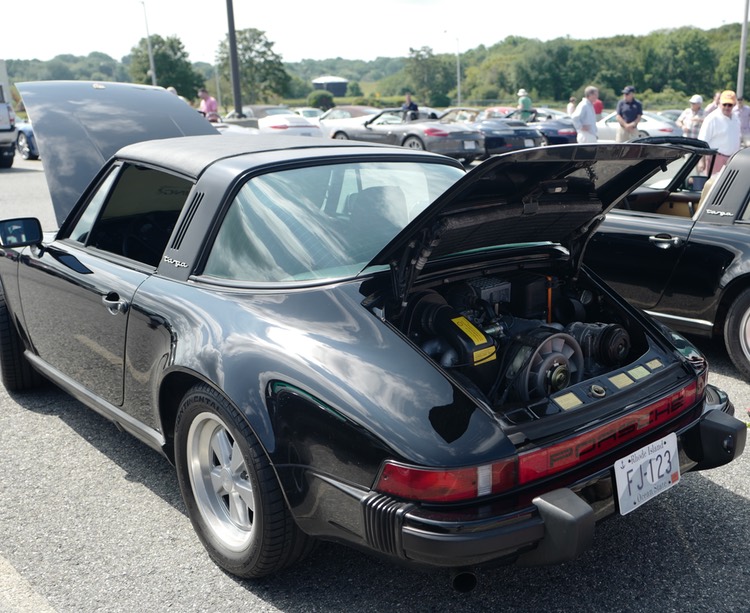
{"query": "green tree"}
[(262, 74), (353, 89), (431, 77), (173, 68)]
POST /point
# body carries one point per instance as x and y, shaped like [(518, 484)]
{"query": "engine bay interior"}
[(516, 340)]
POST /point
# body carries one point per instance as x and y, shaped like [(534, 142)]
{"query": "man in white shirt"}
[(721, 130), (584, 117)]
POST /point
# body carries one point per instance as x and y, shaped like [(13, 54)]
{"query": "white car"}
[(651, 124), (308, 112), (289, 124)]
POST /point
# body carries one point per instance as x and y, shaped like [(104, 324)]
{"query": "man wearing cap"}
[(629, 112), (524, 104), (743, 114), (721, 130), (691, 119)]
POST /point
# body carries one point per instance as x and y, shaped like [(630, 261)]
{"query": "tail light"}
[(468, 483), (279, 126), (436, 132)]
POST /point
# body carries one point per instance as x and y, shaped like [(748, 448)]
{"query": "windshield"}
[(321, 222)]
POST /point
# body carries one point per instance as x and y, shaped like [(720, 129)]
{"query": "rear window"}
[(321, 222)]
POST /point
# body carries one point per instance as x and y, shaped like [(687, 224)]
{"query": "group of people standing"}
[(724, 124), (589, 109)]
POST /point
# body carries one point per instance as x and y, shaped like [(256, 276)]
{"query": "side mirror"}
[(20, 232)]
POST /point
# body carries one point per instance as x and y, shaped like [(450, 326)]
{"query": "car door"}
[(637, 253), (386, 128), (77, 291)]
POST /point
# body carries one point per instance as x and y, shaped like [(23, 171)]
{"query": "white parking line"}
[(17, 595)]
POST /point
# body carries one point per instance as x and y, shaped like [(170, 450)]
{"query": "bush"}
[(321, 99)]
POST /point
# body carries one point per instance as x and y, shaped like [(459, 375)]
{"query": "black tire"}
[(341, 136), (15, 370), (23, 147), (737, 333), (414, 143), (235, 503), (6, 161)]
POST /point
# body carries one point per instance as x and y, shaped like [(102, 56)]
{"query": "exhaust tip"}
[(463, 581)]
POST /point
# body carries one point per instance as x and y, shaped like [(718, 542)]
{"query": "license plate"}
[(470, 144), (646, 473), (528, 142)]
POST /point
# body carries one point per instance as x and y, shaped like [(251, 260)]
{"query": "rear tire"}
[(24, 147), (414, 143), (340, 136), (15, 370), (737, 333), (230, 489)]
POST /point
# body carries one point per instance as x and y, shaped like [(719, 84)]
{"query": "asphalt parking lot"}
[(92, 520)]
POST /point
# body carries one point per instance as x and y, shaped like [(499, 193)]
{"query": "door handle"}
[(114, 304), (665, 241)]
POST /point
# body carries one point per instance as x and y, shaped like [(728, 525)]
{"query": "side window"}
[(133, 213)]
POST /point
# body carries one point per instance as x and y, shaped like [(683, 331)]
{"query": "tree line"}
[(665, 66)]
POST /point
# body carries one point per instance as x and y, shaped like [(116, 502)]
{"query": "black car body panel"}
[(103, 117), (679, 253), (501, 135), (405, 382)]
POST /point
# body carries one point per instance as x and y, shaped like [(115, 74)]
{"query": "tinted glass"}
[(321, 222)]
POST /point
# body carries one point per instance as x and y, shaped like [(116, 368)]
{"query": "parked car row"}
[(341, 341)]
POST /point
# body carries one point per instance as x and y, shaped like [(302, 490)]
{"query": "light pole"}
[(148, 44), (458, 72), (743, 51)]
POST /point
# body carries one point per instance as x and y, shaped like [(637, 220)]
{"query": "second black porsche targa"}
[(357, 343)]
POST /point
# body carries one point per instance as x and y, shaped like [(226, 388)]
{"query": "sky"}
[(313, 29)]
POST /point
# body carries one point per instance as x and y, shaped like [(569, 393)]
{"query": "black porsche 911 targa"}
[(358, 343)]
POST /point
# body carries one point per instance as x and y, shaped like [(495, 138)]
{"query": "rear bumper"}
[(558, 523)]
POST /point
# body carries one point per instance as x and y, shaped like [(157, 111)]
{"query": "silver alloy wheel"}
[(745, 334), (221, 484), (23, 146)]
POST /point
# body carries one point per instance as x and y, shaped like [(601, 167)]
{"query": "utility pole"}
[(150, 51), (743, 53), (234, 62)]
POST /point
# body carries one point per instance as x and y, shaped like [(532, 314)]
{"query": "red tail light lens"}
[(280, 126), (459, 484), (449, 485), (436, 132)]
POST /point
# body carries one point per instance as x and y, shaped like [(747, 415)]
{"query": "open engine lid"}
[(547, 194), (79, 125)]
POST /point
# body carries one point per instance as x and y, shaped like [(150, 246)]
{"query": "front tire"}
[(230, 489), (737, 333), (341, 136), (15, 370)]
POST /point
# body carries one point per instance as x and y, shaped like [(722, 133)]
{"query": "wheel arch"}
[(728, 296), (172, 390)]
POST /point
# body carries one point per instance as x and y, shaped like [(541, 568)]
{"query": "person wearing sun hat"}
[(721, 130), (524, 104), (691, 119)]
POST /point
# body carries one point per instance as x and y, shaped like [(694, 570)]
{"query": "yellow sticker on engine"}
[(654, 364), (485, 355), (568, 401), (470, 330), (639, 372), (621, 380)]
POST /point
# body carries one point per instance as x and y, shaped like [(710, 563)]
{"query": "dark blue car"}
[(25, 141)]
